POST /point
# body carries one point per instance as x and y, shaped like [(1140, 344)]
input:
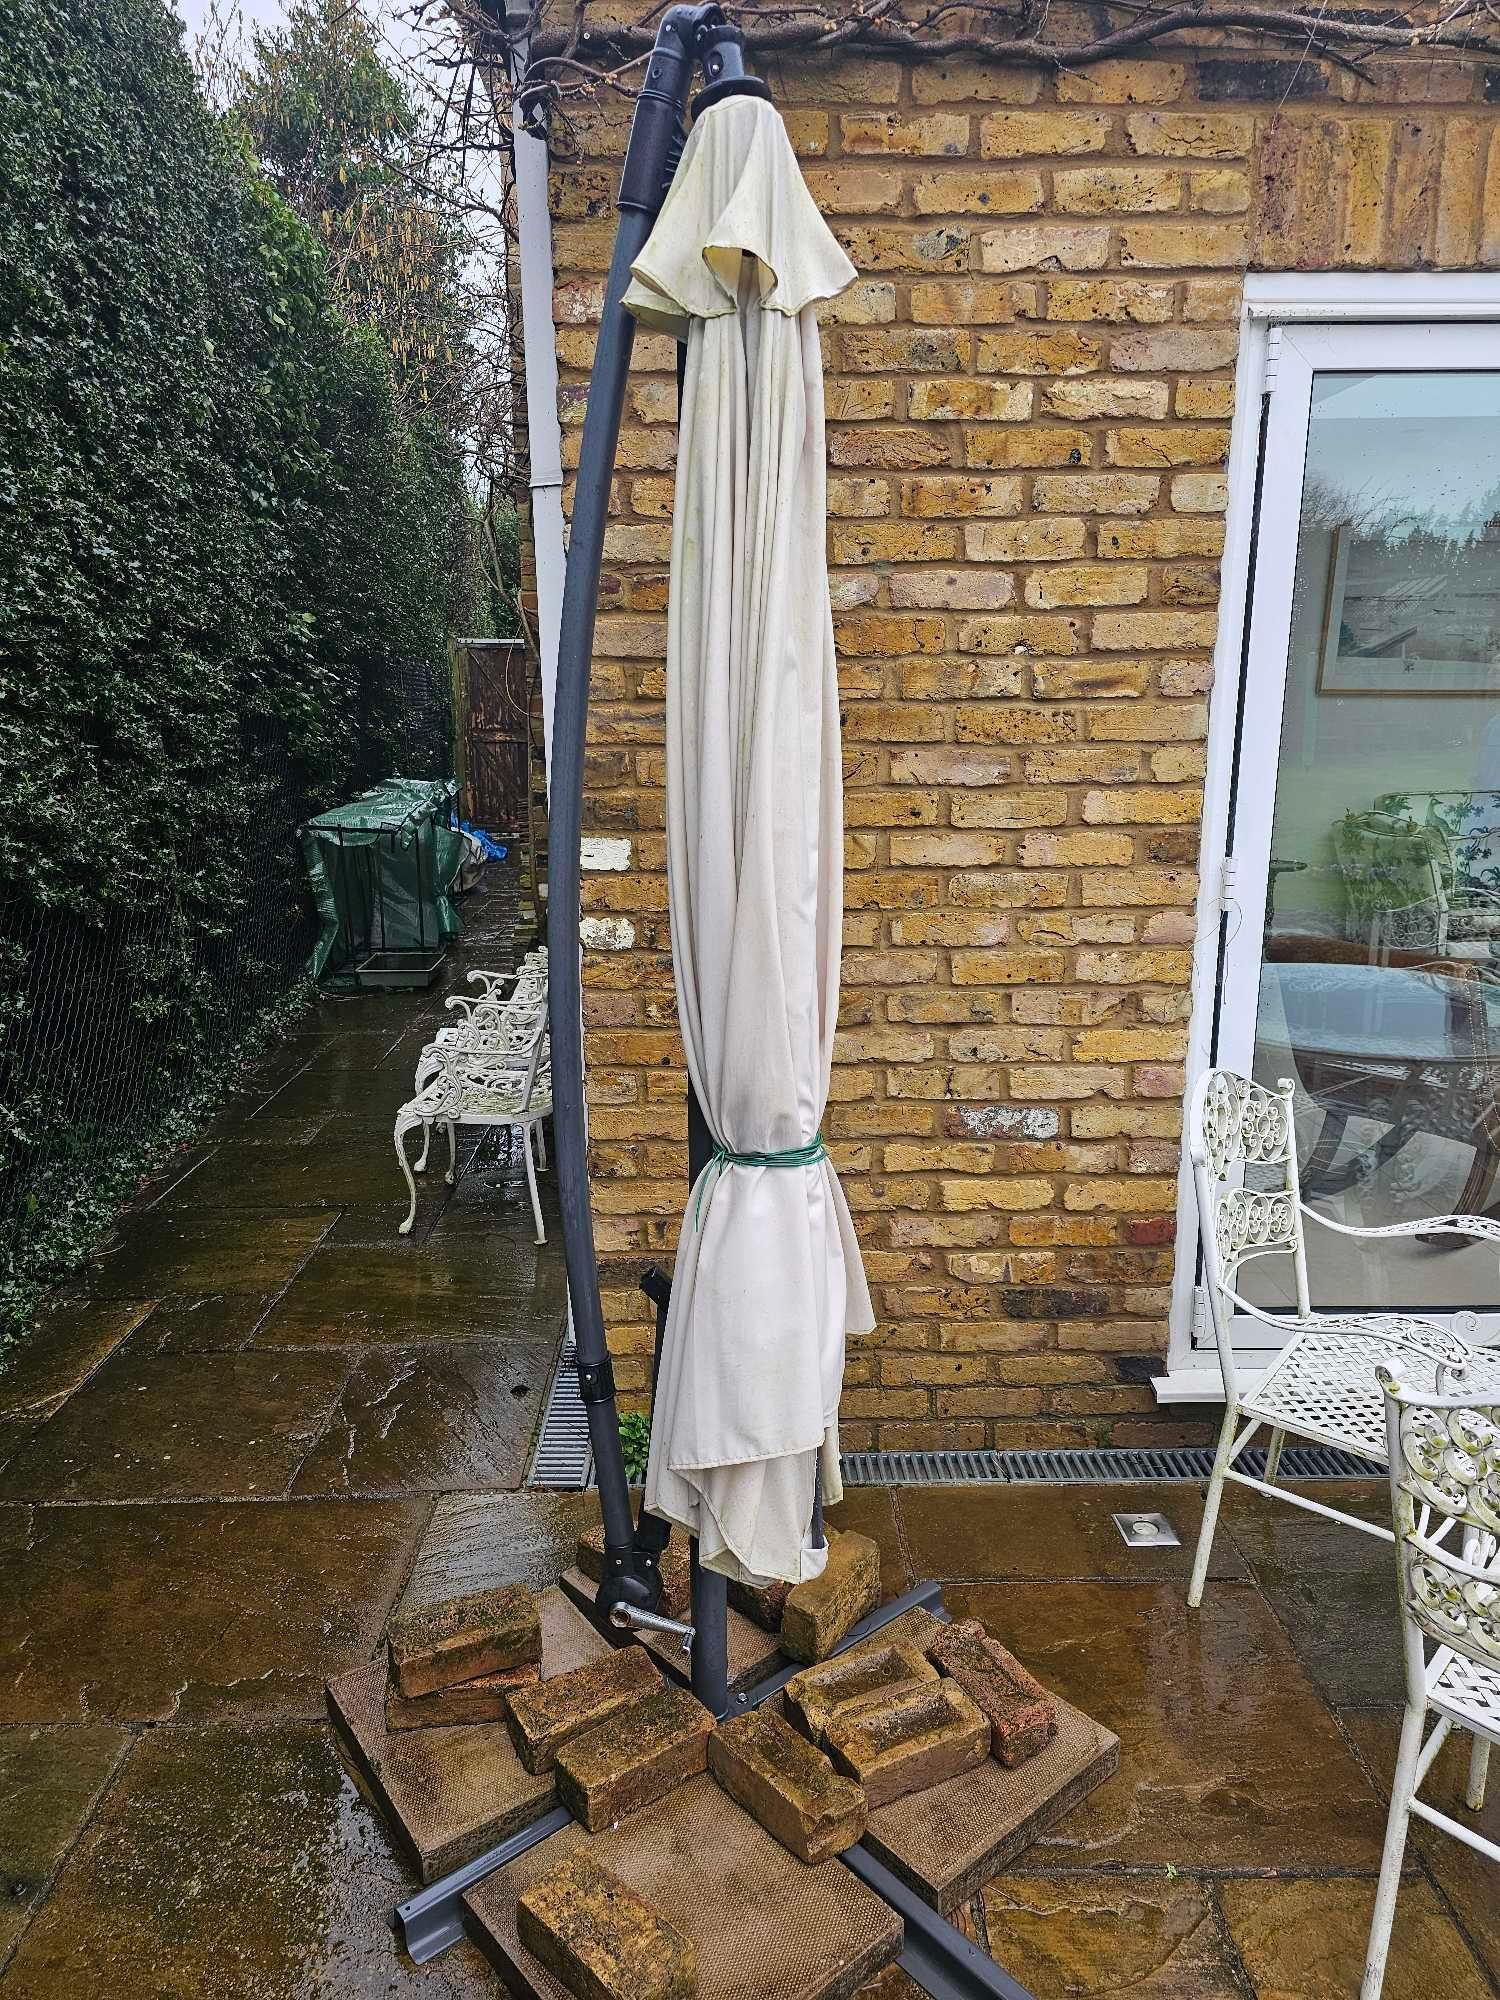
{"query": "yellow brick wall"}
[(1029, 392)]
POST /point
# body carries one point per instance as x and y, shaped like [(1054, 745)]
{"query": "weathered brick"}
[(820, 1695), (977, 191), (1095, 492), (953, 589), (1117, 190), (645, 1749), (486, 1699), (907, 1743), (1219, 135), (1044, 246), (1021, 1713), (1008, 135), (1167, 444), (1125, 81), (543, 1718), (602, 1940), (1051, 539), (819, 1612), (1054, 353), (462, 1638), (963, 398), (891, 132), (1106, 396), (1174, 245), (972, 302), (973, 82), (957, 495), (1086, 583), (1172, 349), (787, 1784)]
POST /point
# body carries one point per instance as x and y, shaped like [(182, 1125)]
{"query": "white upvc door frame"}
[(1233, 858)]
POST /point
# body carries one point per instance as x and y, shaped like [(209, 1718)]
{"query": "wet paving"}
[(261, 1420)]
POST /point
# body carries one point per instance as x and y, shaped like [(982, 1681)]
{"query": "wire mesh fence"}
[(120, 1028)]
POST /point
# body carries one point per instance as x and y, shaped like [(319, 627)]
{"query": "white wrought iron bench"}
[(1322, 1385), (497, 1023), (1444, 1455), (469, 1084)]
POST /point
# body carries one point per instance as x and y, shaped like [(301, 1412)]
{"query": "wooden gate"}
[(496, 734)]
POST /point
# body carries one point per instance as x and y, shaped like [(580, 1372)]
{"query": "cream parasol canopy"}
[(768, 1278)]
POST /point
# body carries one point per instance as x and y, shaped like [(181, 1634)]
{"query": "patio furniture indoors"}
[(1415, 887), (1322, 1385), (1445, 1494), (1409, 1048), (486, 1078)]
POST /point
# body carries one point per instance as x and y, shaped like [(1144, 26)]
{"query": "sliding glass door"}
[(1362, 947)]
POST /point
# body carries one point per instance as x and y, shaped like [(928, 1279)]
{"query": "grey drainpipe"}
[(544, 429)]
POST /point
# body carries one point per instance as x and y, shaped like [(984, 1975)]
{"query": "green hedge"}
[(228, 567)]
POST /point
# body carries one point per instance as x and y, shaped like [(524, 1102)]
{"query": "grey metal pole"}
[(680, 42)]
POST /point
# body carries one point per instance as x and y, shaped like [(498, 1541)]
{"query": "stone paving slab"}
[(361, 1295), (766, 1926), (431, 1419), (194, 1612), (1469, 1882), (1055, 1532), (319, 1175), (233, 1863), (159, 1253), (49, 1782), (66, 1346), (474, 1540), (181, 1427), (1225, 1736), (947, 1842), (1307, 1938), (202, 1323), (447, 1794), (1097, 1935)]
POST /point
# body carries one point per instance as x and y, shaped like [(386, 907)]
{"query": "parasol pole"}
[(688, 36)]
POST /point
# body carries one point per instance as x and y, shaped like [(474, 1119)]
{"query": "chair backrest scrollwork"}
[(1233, 1124), (1445, 1497)]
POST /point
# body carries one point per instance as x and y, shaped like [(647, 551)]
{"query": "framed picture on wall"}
[(1412, 616)]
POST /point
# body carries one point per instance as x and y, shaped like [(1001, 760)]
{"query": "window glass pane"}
[(1380, 982)]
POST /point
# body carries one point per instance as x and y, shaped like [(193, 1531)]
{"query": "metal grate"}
[(564, 1461), (922, 1468), (563, 1458), (1078, 1467)]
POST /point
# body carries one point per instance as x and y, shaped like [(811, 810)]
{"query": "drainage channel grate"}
[(563, 1458), (1081, 1467), (564, 1461)]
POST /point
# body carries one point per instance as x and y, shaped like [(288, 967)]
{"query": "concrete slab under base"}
[(766, 1926), (753, 1653), (947, 1842), (448, 1794)]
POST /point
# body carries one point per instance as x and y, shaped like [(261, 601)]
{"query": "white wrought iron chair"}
[(1322, 1385), (1445, 1496), (496, 1024), (470, 1085)]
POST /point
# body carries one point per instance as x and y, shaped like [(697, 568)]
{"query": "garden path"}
[(233, 1440)]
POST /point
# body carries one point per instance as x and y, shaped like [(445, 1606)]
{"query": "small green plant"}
[(635, 1441)]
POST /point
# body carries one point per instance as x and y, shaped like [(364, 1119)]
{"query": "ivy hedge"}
[(229, 563)]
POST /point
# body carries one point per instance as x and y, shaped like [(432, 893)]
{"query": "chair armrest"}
[(1409, 1333), (1482, 1228)]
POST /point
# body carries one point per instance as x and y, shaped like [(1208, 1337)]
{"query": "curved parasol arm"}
[(686, 37)]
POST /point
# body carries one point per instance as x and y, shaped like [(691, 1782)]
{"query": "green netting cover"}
[(381, 868)]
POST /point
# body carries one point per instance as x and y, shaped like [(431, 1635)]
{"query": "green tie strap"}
[(794, 1156)]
